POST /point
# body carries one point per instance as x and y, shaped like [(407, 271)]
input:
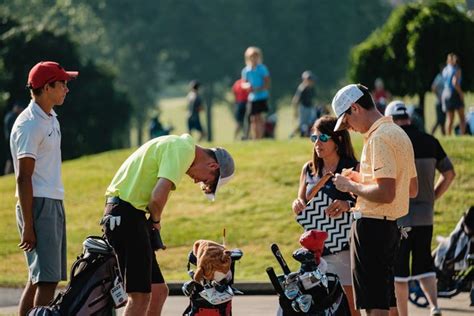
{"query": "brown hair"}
[(39, 91), (325, 124)]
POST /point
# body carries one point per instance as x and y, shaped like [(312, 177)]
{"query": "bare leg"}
[(350, 298), (137, 304), (159, 293), (27, 299), (377, 312), (401, 292), (44, 293), (462, 121), (449, 122), (428, 285)]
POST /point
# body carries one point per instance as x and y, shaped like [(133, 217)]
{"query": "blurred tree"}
[(408, 49), (93, 107)]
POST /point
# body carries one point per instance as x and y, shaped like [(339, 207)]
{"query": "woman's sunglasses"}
[(322, 137)]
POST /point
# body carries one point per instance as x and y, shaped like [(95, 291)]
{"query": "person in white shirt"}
[(35, 144)]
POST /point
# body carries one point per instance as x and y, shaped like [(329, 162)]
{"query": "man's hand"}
[(342, 183), (28, 239)]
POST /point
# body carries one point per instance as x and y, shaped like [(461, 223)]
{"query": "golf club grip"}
[(274, 279), (277, 253)]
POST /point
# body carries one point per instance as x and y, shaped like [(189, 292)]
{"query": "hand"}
[(337, 207), (343, 184), (28, 239), (156, 226), (298, 206)]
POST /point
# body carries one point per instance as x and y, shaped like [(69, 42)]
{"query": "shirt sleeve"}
[(443, 163), (27, 139), (264, 70), (175, 161)]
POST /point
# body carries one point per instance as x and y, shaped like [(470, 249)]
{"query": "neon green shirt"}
[(162, 157)]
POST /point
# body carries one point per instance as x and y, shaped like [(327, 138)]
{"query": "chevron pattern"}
[(314, 217)]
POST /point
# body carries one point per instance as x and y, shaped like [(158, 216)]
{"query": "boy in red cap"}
[(35, 145)]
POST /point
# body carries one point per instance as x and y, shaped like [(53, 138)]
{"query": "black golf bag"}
[(309, 291), (454, 263), (210, 298), (95, 286)]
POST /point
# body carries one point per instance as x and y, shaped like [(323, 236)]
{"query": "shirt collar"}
[(376, 125), (36, 109)]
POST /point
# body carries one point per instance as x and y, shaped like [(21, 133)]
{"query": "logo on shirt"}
[(376, 169)]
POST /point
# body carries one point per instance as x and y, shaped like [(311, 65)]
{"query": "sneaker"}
[(436, 311)]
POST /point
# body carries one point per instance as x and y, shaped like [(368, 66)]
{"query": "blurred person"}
[(36, 149), (429, 157), (302, 102), (386, 181), (241, 97), (156, 128), (331, 152), (142, 186), (8, 122), (453, 97), (437, 88), (380, 95), (195, 107), (256, 80)]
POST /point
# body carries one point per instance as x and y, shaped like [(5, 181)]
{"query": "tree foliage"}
[(94, 117), (407, 51)]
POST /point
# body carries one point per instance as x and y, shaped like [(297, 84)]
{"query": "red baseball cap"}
[(48, 71)]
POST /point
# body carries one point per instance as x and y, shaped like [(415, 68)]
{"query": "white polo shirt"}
[(37, 135)]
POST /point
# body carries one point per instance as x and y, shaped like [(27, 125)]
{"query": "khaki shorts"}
[(340, 264), (47, 262)]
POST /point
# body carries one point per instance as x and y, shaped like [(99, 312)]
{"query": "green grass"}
[(254, 208)]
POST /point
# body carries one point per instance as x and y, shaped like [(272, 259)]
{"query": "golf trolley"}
[(454, 263), (210, 298), (310, 291)]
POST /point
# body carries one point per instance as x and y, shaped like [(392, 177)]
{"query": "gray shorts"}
[(47, 262)]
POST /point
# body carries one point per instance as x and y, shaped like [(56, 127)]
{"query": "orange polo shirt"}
[(387, 153)]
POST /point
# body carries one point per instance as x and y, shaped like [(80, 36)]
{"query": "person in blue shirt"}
[(256, 79)]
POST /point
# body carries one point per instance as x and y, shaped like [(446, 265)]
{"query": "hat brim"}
[(72, 74), (339, 124), (220, 182)]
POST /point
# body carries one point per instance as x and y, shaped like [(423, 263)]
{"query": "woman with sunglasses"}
[(332, 152)]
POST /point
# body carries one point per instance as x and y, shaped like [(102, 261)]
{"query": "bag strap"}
[(319, 185)]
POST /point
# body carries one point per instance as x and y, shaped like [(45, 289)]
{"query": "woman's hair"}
[(253, 50), (325, 125)]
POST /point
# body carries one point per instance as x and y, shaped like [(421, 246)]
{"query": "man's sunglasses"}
[(322, 137)]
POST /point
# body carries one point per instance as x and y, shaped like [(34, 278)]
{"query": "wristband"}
[(155, 222)]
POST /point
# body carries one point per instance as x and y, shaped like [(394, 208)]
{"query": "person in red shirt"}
[(381, 96), (241, 96)]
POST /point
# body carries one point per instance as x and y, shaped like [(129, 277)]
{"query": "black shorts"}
[(374, 244), (131, 241), (194, 123), (257, 107), (418, 244), (240, 109)]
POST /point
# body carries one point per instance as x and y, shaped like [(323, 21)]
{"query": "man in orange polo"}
[(386, 181)]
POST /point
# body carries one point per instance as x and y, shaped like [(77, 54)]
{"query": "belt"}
[(358, 215), (113, 200)]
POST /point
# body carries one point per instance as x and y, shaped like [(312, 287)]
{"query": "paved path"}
[(259, 305)]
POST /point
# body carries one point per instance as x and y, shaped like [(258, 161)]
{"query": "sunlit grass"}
[(254, 208)]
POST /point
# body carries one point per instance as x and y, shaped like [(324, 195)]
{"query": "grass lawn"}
[(254, 208)]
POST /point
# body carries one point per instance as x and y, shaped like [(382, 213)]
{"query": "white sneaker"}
[(436, 311)]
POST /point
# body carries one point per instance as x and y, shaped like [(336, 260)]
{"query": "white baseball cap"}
[(396, 108), (226, 169), (343, 100)]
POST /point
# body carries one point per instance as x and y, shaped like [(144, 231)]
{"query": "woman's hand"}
[(337, 207), (298, 206)]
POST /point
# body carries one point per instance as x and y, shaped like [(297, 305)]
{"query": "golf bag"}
[(454, 263), (310, 291), (210, 298), (95, 286)]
